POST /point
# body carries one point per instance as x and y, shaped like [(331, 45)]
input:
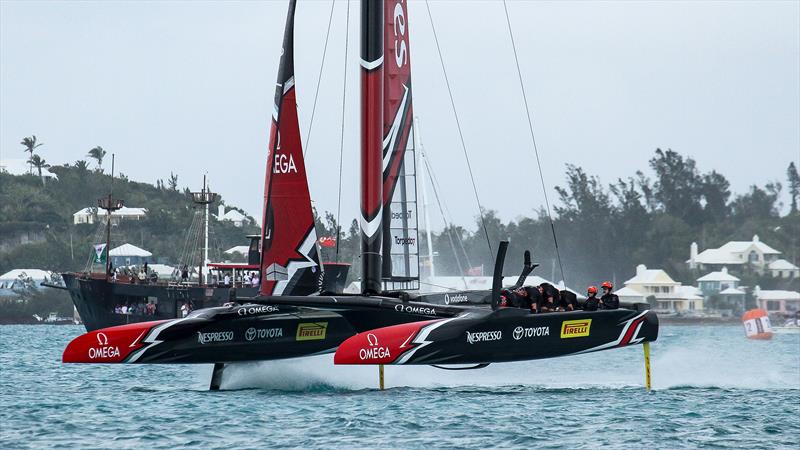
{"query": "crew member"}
[(568, 301), (592, 301), (549, 297), (608, 300)]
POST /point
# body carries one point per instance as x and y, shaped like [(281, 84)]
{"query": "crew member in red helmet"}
[(592, 301), (608, 300)]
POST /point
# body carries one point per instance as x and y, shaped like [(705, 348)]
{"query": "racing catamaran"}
[(386, 323)]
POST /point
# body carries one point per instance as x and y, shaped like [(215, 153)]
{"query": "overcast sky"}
[(187, 87)]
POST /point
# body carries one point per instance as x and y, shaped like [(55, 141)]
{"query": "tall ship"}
[(106, 296)]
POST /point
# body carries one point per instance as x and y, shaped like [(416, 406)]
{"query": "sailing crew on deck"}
[(592, 302), (549, 297), (608, 300), (568, 301), (227, 280), (185, 273)]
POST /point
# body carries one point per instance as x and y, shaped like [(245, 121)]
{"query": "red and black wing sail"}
[(289, 256), (399, 197)]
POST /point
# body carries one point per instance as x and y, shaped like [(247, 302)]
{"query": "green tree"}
[(715, 190), (173, 181), (30, 145), (97, 153), (677, 186), (38, 162), (794, 185)]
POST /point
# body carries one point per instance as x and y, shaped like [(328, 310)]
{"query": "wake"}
[(676, 363)]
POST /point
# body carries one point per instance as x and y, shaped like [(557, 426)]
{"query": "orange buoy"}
[(756, 324)]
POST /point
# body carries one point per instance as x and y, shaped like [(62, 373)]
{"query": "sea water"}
[(712, 387)]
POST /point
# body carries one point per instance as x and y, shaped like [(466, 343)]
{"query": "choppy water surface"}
[(712, 387)]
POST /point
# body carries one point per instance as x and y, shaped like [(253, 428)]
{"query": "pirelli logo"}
[(575, 328), (311, 331)]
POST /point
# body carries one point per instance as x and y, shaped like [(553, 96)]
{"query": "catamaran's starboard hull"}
[(502, 336)]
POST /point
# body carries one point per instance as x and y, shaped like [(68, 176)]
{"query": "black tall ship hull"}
[(97, 299)]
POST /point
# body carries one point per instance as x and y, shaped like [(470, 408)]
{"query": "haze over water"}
[(712, 387)]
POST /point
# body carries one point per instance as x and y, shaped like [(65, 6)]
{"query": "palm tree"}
[(30, 145), (38, 162), (97, 153), (82, 166)]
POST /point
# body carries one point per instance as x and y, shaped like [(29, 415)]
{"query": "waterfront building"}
[(716, 282), (777, 301), (782, 268), (129, 255), (92, 215), (735, 254), (669, 295)]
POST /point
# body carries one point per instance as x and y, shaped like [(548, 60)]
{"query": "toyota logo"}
[(518, 333), (102, 339), (250, 334)]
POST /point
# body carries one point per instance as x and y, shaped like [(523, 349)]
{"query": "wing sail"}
[(400, 269), (289, 254)]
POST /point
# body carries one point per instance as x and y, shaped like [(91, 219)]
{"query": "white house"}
[(128, 254), (777, 301), (715, 282), (782, 268), (734, 254), (241, 249), (234, 216), (90, 215), (670, 295), (13, 278)]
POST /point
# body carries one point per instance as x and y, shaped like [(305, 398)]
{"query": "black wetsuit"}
[(515, 300), (610, 301), (549, 292), (591, 303), (566, 299)]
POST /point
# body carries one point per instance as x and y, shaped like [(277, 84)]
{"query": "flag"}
[(476, 271), (327, 241), (100, 253)]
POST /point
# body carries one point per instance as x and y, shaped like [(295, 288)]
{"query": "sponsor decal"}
[(529, 332), (402, 214), (404, 240), (263, 333), (375, 350), (284, 164), (214, 336), (399, 27), (484, 336), (311, 331), (414, 309), (455, 298), (575, 328), (257, 310), (103, 350)]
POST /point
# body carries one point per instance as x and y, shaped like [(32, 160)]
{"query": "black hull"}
[(96, 299)]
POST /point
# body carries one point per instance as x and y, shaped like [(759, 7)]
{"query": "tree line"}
[(604, 230)]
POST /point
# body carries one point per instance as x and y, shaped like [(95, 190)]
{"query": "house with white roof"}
[(782, 268), (14, 278), (670, 295), (783, 302), (92, 215), (234, 216), (128, 255), (716, 282), (733, 254), (241, 249)]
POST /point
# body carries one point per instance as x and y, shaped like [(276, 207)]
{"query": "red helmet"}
[(592, 290), (607, 284)]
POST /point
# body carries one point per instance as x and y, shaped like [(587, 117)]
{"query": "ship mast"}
[(203, 198), (109, 205)]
